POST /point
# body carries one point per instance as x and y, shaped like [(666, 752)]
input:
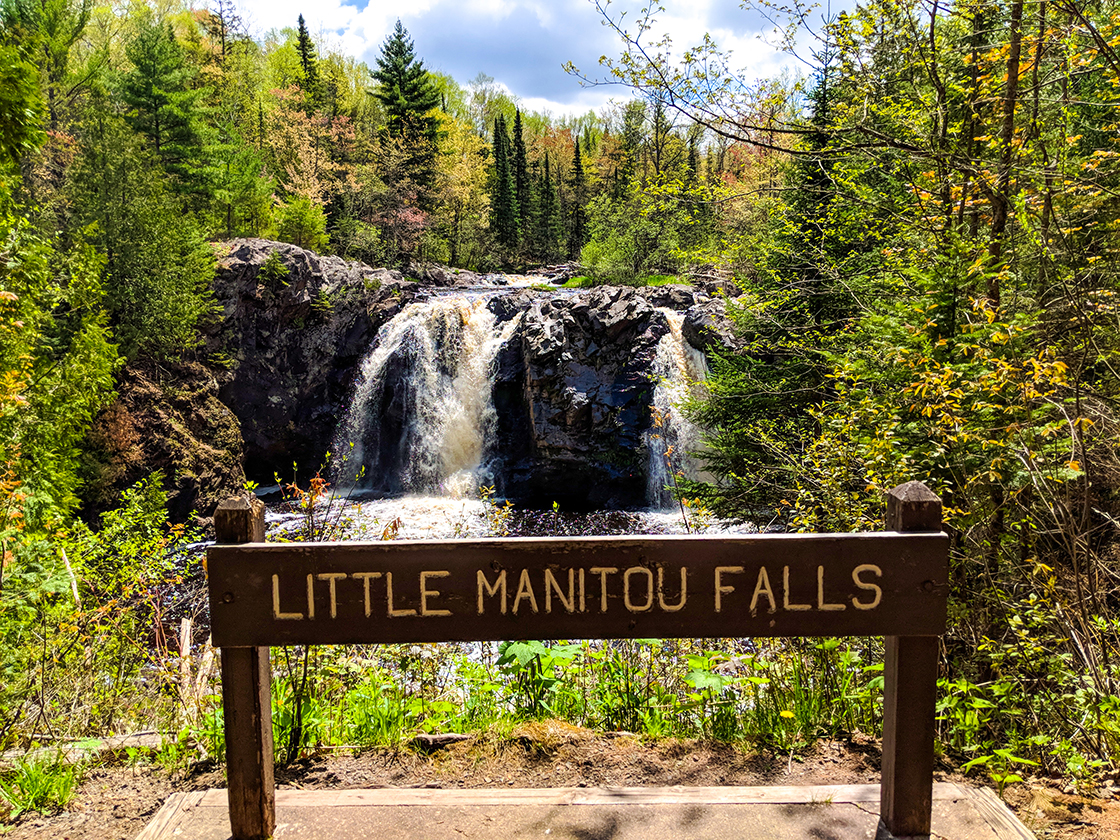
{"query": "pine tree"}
[(162, 105), (405, 89), (309, 62), (577, 231), (522, 183), (504, 200), (548, 227)]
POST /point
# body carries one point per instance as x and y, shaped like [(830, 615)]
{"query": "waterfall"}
[(678, 368), (422, 417)]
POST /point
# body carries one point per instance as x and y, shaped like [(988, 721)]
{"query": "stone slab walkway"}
[(837, 812)]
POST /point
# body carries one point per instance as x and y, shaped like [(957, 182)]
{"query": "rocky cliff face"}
[(294, 327), (573, 393), (171, 420)]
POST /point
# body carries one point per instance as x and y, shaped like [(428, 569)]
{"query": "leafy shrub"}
[(302, 223)]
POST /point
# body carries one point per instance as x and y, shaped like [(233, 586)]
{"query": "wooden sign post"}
[(880, 584), (246, 698)]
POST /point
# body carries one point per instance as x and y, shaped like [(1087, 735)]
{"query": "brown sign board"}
[(873, 584)]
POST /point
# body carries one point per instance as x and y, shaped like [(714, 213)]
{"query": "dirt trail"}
[(115, 802)]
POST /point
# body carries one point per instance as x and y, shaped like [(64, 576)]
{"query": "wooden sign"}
[(875, 584)]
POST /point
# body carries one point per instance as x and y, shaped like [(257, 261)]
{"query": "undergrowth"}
[(108, 635)]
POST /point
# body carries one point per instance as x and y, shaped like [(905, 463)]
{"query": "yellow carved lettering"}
[(602, 572), (630, 605), (484, 588), (393, 612), (551, 584), (762, 587), (426, 593), (365, 578), (821, 605), (721, 588), (870, 587), (661, 590), (524, 590), (332, 578), (276, 614), (785, 594)]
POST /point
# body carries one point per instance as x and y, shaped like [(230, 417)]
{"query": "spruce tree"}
[(161, 104), (308, 61), (405, 89), (504, 201), (548, 230), (522, 183), (577, 230)]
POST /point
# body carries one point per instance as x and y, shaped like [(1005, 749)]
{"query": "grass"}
[(772, 693), (585, 282), (38, 783)]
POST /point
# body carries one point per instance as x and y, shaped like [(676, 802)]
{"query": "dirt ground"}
[(115, 802)]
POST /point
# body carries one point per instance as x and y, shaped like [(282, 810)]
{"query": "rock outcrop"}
[(294, 327), (573, 392), (572, 384), (169, 420)]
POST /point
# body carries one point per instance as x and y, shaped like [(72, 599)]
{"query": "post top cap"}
[(913, 491)]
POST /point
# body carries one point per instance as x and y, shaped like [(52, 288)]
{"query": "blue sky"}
[(521, 43)]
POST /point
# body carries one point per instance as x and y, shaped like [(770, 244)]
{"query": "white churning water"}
[(679, 369), (437, 357), (422, 420)]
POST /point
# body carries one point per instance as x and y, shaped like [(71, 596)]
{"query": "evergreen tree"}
[(409, 96), (504, 201), (522, 184), (405, 89), (548, 226), (309, 62), (161, 105), (159, 264), (45, 31), (577, 229)]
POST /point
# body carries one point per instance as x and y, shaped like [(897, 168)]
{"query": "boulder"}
[(707, 327), (572, 390)]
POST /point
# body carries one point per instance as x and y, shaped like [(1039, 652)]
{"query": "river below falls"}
[(420, 517)]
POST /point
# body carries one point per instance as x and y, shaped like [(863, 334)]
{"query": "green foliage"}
[(536, 669), (505, 215), (74, 607), (303, 223), (20, 109), (163, 106), (160, 267), (405, 88), (45, 31), (43, 784), (308, 60), (56, 370)]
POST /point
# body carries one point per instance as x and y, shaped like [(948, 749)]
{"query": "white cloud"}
[(519, 42)]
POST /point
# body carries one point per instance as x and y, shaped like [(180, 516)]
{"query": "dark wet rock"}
[(573, 391), (432, 274), (707, 327), (293, 336), (673, 296)]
